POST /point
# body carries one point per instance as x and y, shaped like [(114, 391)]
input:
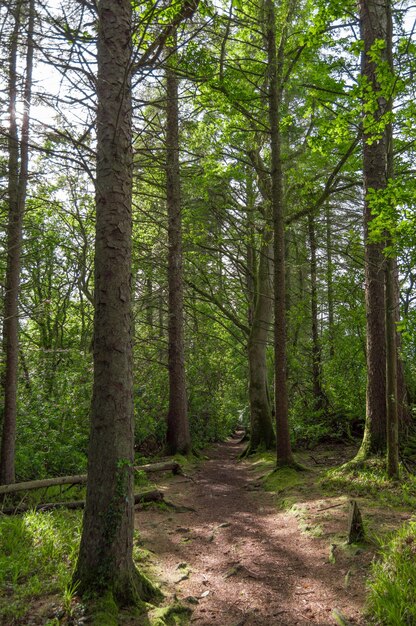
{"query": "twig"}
[(333, 506)]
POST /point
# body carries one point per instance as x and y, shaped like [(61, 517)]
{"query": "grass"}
[(37, 555), (392, 581), (38, 552), (392, 585), (370, 480)]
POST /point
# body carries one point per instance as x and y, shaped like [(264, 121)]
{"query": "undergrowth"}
[(370, 480), (37, 555), (38, 552), (392, 585)]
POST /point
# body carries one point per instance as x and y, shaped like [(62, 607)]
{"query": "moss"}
[(310, 529), (370, 480), (174, 615), (103, 611), (281, 479), (263, 459), (287, 503)]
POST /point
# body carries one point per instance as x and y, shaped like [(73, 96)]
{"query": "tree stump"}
[(355, 524)]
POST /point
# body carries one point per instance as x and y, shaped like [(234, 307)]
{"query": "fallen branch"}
[(333, 506), (140, 498), (165, 466), (81, 479)]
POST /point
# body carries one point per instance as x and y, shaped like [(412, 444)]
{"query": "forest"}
[(208, 312)]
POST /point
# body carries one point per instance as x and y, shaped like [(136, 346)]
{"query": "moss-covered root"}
[(133, 591), (294, 465), (281, 479), (252, 449), (136, 590), (174, 615), (103, 611)]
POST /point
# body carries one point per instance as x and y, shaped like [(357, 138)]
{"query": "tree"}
[(177, 437), (275, 68), (17, 187), (376, 33), (105, 560)]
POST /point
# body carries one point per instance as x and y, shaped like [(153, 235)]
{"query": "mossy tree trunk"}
[(105, 561)]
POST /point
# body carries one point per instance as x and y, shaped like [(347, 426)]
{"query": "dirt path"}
[(238, 560)]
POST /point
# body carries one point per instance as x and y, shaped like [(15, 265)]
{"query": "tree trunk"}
[(318, 393), (374, 27), (329, 281), (178, 438), (261, 434), (17, 198), (105, 561), (391, 354), (283, 446), (390, 295)]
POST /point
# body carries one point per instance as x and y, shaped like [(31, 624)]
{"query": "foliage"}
[(392, 584), (370, 479), (38, 552)]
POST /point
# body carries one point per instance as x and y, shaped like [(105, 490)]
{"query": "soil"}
[(237, 559)]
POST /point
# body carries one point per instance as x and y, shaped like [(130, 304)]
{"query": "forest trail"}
[(237, 560)]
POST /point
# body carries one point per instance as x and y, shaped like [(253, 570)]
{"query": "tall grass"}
[(37, 556), (392, 584)]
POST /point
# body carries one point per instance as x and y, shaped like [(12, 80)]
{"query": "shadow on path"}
[(243, 562)]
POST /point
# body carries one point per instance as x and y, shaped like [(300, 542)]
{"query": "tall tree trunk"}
[(260, 319), (374, 27), (261, 434), (251, 249), (17, 198), (105, 560), (391, 378), (318, 393), (390, 294), (178, 438), (329, 280), (283, 446), (404, 414)]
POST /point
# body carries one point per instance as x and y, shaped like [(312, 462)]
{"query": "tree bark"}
[(374, 27), (390, 295), (329, 281), (105, 561), (17, 187), (262, 436), (283, 446), (318, 393), (261, 433), (178, 438)]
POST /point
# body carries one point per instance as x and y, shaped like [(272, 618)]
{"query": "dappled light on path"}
[(237, 560)]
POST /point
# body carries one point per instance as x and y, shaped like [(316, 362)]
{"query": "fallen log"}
[(140, 498), (81, 479), (166, 466)]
